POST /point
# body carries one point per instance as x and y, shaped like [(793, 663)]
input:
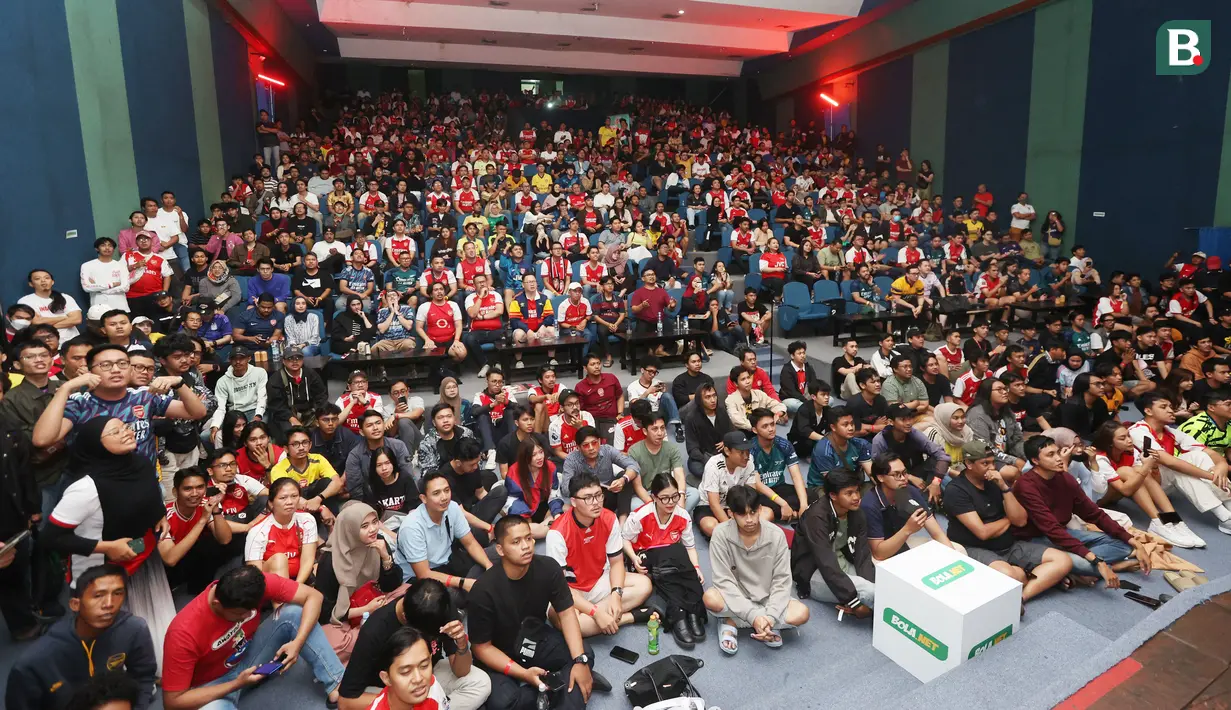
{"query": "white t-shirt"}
[(1104, 472), (636, 389), (42, 307), (80, 509), (324, 250), (1026, 213), (717, 479), (107, 284), (562, 137), (167, 226)]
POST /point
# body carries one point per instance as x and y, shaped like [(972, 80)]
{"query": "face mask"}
[(897, 218), (20, 324)]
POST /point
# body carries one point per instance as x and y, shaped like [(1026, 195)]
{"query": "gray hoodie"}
[(1003, 434), (245, 393), (754, 581)]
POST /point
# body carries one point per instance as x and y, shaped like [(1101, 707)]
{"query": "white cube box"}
[(937, 608)]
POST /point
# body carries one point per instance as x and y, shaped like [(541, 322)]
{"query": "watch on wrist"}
[(583, 658), (618, 590)]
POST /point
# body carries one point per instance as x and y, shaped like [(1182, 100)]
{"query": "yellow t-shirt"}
[(606, 135), (541, 183), (974, 227), (318, 468), (1114, 403), (903, 288)]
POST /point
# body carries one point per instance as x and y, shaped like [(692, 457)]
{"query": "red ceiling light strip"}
[(271, 80)]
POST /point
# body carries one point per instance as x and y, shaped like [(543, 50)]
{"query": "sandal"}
[(1178, 581), (728, 639), (776, 643), (1198, 578)]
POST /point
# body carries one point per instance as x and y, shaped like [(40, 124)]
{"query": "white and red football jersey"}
[(564, 435), (644, 530)]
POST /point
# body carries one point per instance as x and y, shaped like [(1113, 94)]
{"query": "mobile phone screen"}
[(268, 668)]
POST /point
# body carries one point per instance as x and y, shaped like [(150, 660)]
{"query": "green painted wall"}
[(204, 98), (928, 110), (102, 100), (1222, 204), (1058, 108)]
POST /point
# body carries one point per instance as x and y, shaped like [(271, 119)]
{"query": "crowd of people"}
[(150, 448)]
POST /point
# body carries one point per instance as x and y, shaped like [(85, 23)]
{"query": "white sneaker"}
[(483, 371), (553, 362), (519, 365), (490, 464), (1225, 527), (1169, 534), (1183, 529)]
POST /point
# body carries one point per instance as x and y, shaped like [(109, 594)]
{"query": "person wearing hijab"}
[(616, 261), (451, 394), (356, 574), (109, 514), (948, 428), (220, 288), (351, 327)]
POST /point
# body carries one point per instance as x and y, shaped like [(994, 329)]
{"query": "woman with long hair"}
[(302, 329), (1053, 236), (773, 271), (1178, 383), (388, 491), (451, 394), (923, 179), (445, 247), (282, 197), (51, 306), (695, 204), (533, 488), (658, 540), (721, 286), (109, 514), (695, 308), (257, 453), (284, 542), (1118, 470), (351, 327), (233, 424), (356, 575), (806, 266)]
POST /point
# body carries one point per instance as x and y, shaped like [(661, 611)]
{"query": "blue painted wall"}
[(236, 112), (41, 144), (1157, 134), (883, 107), (988, 110), (154, 48)]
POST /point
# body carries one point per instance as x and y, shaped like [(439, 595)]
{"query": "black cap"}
[(239, 351), (161, 294), (738, 440), (900, 411)]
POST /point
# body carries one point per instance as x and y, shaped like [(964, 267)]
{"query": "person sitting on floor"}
[(752, 575), (891, 528), (926, 462), (982, 510), (435, 540), (1196, 471), (1051, 497), (831, 560), (811, 421), (741, 403), (585, 543)]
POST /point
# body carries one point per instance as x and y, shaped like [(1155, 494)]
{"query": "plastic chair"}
[(752, 281), (678, 295), (891, 255), (756, 215), (724, 255), (243, 288), (577, 271), (324, 332), (885, 284)]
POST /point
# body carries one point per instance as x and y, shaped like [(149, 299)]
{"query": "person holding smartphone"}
[(890, 527), (192, 554)]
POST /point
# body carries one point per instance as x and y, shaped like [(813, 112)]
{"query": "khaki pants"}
[(397, 345), (175, 463)]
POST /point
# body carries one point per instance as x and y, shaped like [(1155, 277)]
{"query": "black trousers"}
[(16, 602), (550, 652), (675, 581), (202, 563)]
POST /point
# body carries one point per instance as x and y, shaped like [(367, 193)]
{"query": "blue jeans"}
[(181, 253), (667, 405), (726, 299), (792, 405), (1084, 477), (1105, 546), (51, 495), (271, 635), (310, 350)]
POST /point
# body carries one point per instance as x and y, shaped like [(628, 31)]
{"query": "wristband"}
[(448, 581), (507, 666), (593, 611), (773, 497)]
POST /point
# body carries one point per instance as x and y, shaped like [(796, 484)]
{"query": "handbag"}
[(664, 679)]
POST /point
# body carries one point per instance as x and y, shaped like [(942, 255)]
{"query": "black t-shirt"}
[(463, 485), (283, 257), (938, 390), (973, 348), (401, 496), (743, 308), (301, 226), (1200, 389), (506, 448), (312, 285), (1083, 420), (961, 496), (1150, 357), (865, 413), (498, 605), (1219, 335), (363, 671), (836, 378)]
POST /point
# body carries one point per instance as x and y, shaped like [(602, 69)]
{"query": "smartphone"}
[(137, 546), (268, 669), (1145, 448), (623, 654), (11, 543), (211, 491), (1130, 586), (1143, 599), (555, 681)]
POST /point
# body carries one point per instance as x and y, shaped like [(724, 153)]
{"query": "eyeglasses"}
[(110, 365), (651, 372), (142, 368), (592, 499), (669, 500), (898, 474), (224, 464)]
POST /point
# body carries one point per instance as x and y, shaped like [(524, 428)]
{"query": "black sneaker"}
[(641, 614), (679, 433), (601, 684)]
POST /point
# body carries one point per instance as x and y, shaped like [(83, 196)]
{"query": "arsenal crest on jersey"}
[(139, 411)]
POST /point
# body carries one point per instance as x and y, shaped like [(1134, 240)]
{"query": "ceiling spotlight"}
[(679, 12)]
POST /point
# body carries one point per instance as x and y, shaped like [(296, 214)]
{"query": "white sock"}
[(1222, 513)]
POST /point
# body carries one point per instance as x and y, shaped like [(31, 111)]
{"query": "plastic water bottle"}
[(275, 350), (660, 323), (365, 618), (652, 627)]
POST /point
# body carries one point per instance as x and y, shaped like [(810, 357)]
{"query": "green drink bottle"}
[(652, 626)]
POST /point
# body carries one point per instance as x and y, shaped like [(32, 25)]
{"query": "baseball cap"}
[(239, 351), (292, 351), (974, 450), (1199, 253), (574, 286), (160, 295), (141, 319), (737, 440), (900, 411)]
